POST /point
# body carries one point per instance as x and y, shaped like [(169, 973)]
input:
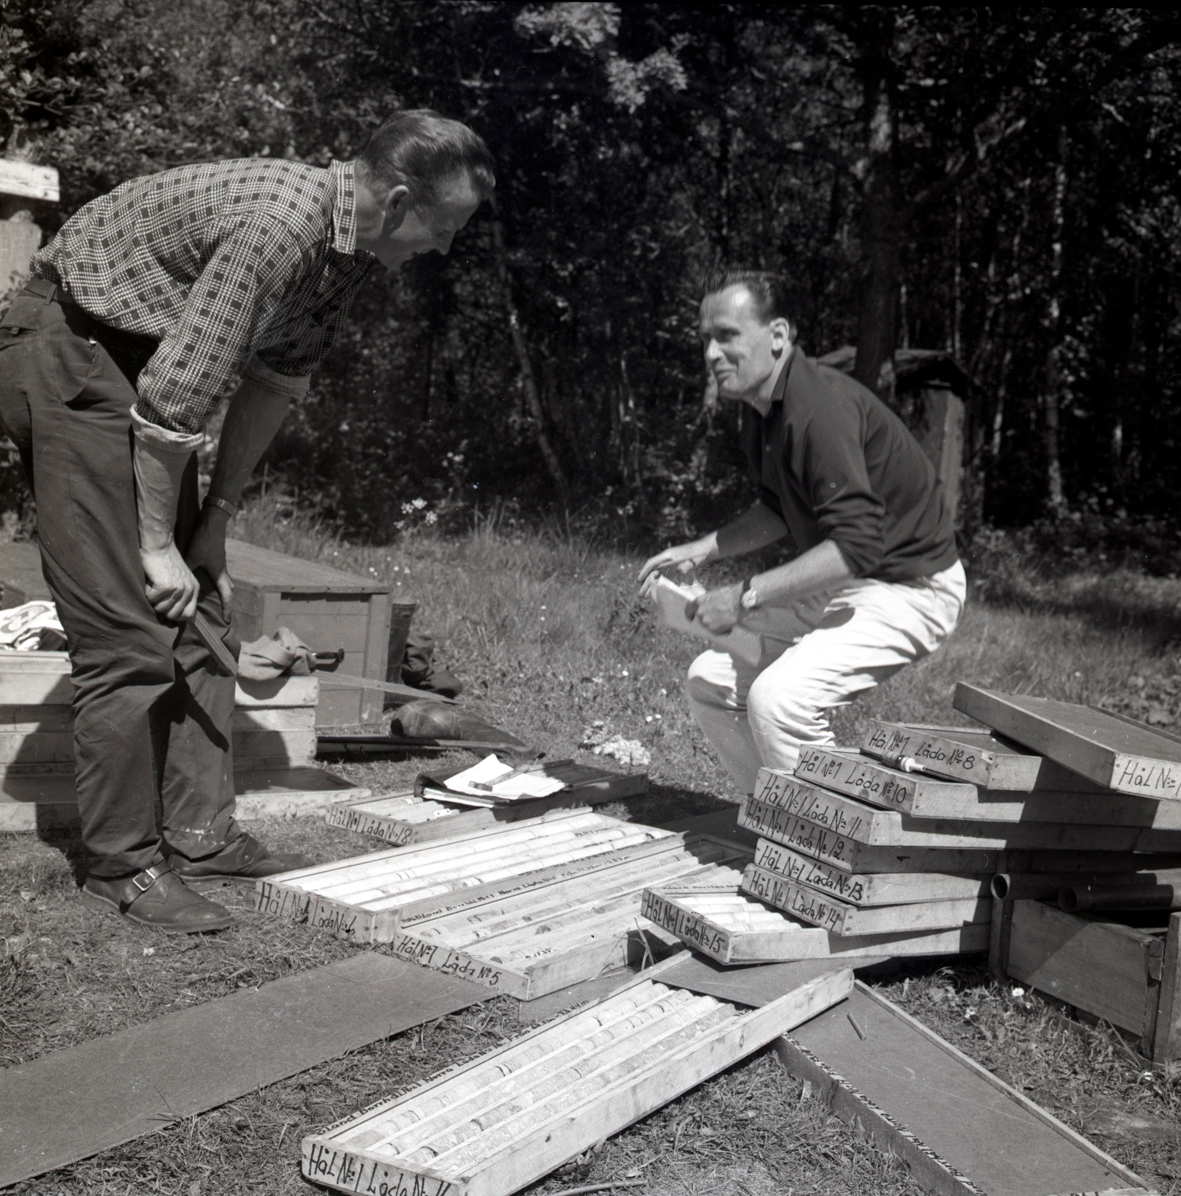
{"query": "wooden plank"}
[(962, 754), (1166, 1042), (1127, 756), (266, 571), (852, 856), (75, 1103), (377, 647), (851, 818), (1102, 967), (594, 1071), (277, 691), (841, 918), (280, 792), (32, 182), (960, 1129), (867, 889)]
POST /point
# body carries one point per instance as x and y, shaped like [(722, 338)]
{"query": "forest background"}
[(999, 185)]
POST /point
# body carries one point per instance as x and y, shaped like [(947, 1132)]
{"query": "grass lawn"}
[(553, 643)]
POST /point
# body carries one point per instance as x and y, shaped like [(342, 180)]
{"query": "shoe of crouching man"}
[(156, 897), (243, 859)]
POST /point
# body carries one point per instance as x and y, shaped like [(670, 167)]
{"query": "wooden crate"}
[(847, 854), (566, 927), (364, 897), (845, 919), (780, 794), (925, 797), (501, 1122), (328, 609), (735, 929), (964, 754), (867, 888), (1125, 974)]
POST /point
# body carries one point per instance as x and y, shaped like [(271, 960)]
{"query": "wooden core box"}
[(328, 609)]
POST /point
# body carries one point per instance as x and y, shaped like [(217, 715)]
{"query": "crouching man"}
[(150, 306), (876, 584)]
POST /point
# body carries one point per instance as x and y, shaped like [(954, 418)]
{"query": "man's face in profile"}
[(740, 347)]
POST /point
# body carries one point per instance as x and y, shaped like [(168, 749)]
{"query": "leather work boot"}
[(243, 859), (156, 897)]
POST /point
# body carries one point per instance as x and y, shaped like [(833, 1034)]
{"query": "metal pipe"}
[(1076, 898)]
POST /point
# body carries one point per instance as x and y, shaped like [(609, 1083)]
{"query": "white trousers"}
[(817, 654)]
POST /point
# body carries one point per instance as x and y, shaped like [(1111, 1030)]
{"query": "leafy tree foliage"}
[(996, 183)]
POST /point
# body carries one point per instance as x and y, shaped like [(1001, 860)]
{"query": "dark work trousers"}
[(152, 716)]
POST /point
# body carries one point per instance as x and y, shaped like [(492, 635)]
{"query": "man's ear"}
[(780, 336), (396, 206)]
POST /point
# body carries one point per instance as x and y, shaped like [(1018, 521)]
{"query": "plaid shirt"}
[(218, 262)]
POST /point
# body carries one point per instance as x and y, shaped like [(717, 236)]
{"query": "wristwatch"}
[(749, 598)]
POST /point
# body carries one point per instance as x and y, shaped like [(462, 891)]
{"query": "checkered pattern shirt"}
[(218, 262)]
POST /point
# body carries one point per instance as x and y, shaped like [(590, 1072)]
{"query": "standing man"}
[(876, 583), (149, 307)]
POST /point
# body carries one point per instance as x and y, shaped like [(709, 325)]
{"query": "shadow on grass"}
[(667, 803), (1110, 602), (63, 832)]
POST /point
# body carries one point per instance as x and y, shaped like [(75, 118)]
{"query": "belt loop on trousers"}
[(42, 288)]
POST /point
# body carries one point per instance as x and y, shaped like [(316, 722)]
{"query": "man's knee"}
[(711, 680)]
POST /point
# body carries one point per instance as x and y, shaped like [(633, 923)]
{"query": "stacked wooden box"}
[(1122, 964), (274, 743), (895, 849)]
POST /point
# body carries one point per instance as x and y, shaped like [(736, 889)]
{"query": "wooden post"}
[(20, 237)]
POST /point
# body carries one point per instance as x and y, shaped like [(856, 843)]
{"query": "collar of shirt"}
[(344, 209)]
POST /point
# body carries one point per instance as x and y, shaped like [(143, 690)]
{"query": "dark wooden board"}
[(757, 985), (1129, 757), (70, 1105), (961, 1130)]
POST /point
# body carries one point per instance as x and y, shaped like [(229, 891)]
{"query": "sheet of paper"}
[(671, 598), (528, 784)]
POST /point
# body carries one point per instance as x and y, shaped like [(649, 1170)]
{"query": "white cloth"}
[(817, 654), (32, 627)]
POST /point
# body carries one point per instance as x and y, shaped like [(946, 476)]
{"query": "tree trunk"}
[(881, 227), (1055, 493), (525, 364)]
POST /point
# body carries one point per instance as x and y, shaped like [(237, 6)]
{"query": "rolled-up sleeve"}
[(202, 358), (835, 477)]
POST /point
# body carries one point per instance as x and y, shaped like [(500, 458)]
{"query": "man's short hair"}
[(424, 151), (767, 289)]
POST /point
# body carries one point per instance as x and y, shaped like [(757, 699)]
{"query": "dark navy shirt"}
[(835, 463)]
